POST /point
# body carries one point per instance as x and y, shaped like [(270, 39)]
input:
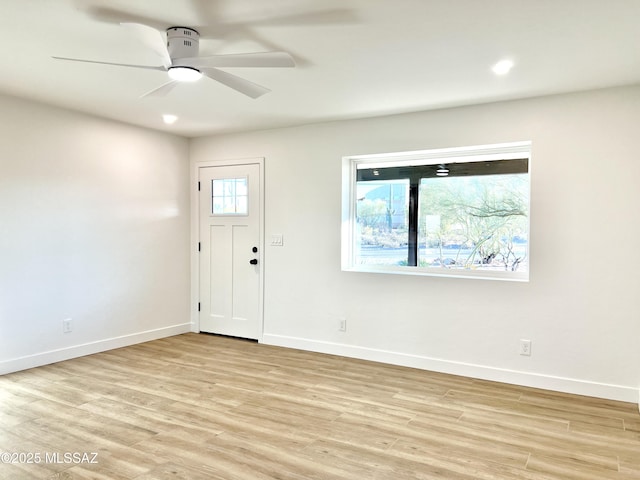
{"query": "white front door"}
[(230, 250)]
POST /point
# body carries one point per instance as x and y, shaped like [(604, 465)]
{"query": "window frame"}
[(428, 159)]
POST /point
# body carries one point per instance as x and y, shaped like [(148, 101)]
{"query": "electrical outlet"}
[(343, 325), (525, 347), (67, 326)]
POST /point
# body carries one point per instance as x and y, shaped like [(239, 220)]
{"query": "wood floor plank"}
[(28, 471), (356, 461), (208, 407), (508, 420), (174, 471), (117, 463), (476, 443), (574, 469)]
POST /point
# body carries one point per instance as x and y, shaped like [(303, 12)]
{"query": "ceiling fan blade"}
[(265, 59), (152, 39), (337, 16), (113, 15), (207, 10), (145, 67), (241, 85), (214, 27), (162, 90)]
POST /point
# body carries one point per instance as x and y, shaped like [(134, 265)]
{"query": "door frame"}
[(195, 237)]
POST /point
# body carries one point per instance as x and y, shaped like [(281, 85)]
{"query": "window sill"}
[(441, 272)]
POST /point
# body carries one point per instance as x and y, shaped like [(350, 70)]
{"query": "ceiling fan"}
[(179, 58)]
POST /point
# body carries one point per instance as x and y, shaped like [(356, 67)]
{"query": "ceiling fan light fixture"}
[(184, 74)]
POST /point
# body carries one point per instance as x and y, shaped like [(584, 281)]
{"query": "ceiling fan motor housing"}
[(182, 42)]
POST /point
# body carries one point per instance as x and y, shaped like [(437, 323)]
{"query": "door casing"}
[(195, 237)]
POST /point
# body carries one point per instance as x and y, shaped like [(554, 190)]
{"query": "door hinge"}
[(198, 306), (199, 246), (198, 186)]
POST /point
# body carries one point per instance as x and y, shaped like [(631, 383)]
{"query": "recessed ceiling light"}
[(184, 74), (502, 67), (169, 119)]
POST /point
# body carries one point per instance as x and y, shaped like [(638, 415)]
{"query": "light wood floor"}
[(204, 407)]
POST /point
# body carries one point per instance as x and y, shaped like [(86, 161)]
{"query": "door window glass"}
[(229, 196)]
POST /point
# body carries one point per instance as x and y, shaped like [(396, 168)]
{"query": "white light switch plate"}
[(276, 240)]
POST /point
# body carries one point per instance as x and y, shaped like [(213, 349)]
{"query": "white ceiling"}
[(356, 58)]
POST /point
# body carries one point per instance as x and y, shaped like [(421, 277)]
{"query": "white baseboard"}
[(527, 379), (45, 358)]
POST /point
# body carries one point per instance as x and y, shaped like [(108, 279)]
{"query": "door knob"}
[(253, 261)]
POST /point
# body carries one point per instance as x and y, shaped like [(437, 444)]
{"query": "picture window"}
[(452, 212)]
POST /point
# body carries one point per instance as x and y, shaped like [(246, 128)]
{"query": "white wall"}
[(94, 227), (580, 308)]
